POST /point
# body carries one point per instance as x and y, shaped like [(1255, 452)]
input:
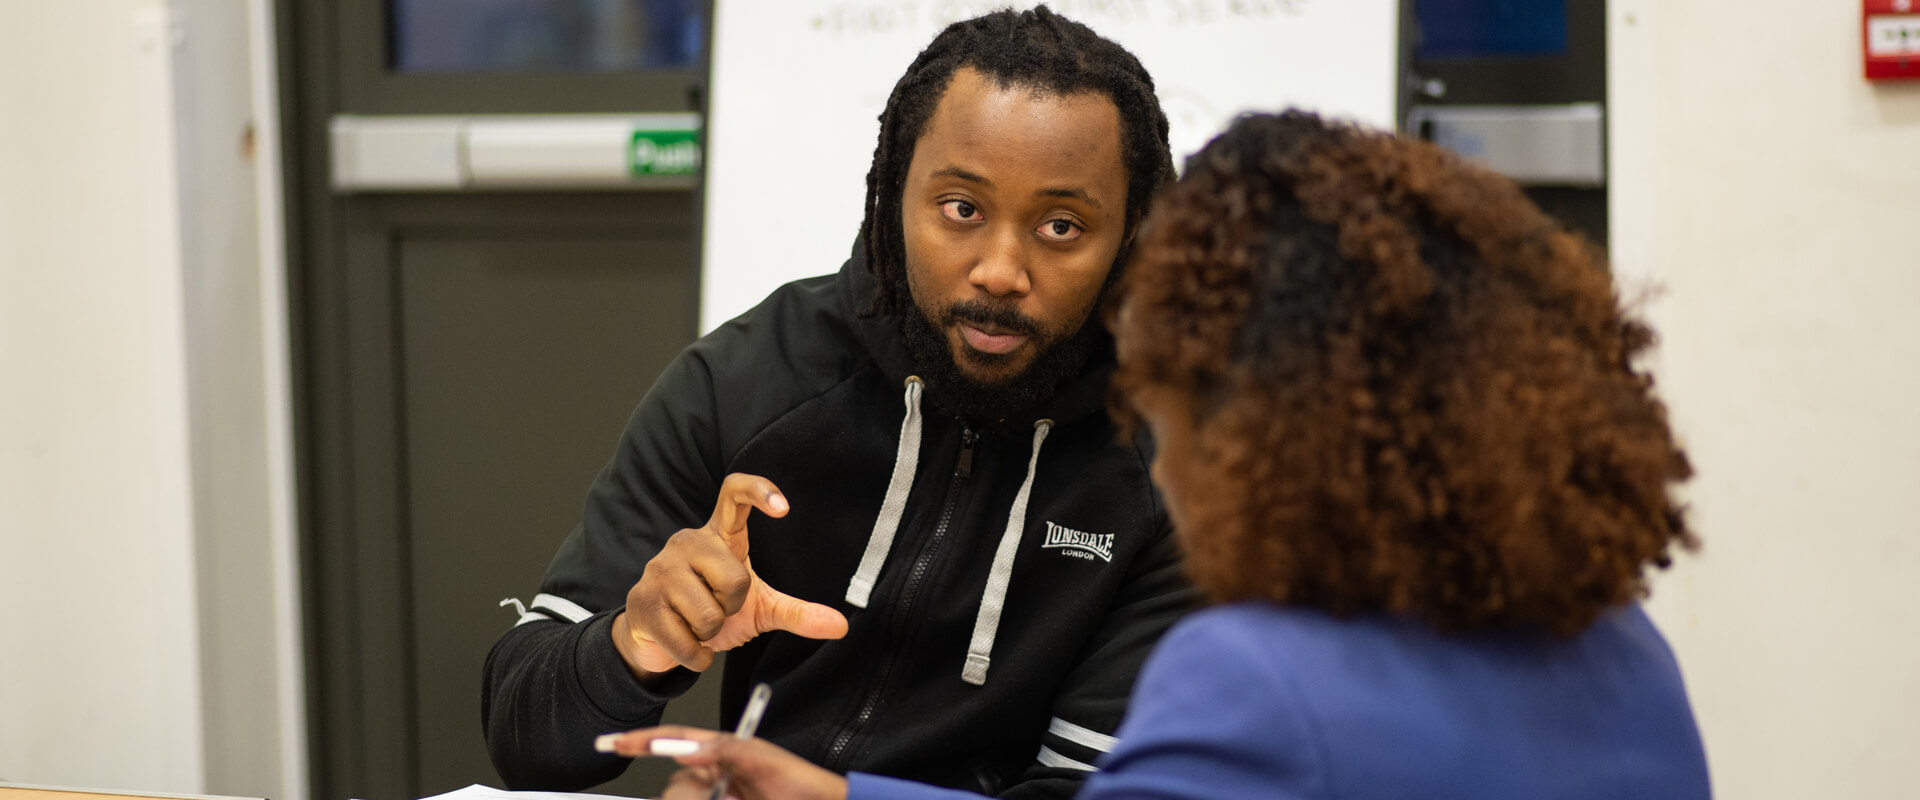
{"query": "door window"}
[(543, 36)]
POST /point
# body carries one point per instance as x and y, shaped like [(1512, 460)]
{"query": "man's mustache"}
[(981, 312)]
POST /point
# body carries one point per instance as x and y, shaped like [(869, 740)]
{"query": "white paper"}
[(478, 792)]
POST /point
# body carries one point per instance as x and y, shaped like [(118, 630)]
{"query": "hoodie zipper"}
[(839, 753)]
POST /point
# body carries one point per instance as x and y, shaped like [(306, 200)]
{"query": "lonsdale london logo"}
[(1079, 544)]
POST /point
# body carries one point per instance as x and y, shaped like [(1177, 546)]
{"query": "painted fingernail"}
[(673, 747), (607, 743)]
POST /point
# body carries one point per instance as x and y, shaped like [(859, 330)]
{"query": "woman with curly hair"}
[(1416, 472), (1414, 469)]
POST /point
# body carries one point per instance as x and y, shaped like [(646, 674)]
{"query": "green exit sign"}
[(663, 153)]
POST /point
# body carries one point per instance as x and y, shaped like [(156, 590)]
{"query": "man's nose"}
[(1002, 269)]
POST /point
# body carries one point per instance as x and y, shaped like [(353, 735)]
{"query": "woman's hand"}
[(758, 770)]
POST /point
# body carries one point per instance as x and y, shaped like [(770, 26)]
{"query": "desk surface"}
[(21, 791)]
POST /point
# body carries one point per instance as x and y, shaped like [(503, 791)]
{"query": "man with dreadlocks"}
[(957, 569)]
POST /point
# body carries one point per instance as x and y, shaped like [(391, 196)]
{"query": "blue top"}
[(1257, 701)]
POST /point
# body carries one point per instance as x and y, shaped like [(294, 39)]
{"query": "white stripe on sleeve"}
[(1082, 736), (555, 605), (1052, 759)]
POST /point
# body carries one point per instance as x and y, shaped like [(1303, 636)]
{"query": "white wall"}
[(144, 626), (96, 565), (234, 309), (1771, 190)]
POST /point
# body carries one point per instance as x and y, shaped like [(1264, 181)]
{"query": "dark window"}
[(1491, 28), (544, 36)]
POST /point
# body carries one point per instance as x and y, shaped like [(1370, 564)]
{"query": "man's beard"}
[(1061, 358)]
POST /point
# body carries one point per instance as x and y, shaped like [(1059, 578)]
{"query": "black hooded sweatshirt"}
[(929, 684)]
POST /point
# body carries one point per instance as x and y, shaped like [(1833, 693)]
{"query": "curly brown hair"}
[(1412, 391)]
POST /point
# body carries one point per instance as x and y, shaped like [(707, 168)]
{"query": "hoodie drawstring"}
[(905, 462), (994, 600)]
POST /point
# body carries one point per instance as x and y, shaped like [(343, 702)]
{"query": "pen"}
[(749, 720)]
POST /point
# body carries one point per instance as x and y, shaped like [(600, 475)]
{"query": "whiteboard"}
[(798, 86)]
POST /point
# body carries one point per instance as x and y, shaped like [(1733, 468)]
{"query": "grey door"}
[(1532, 77), (468, 349)]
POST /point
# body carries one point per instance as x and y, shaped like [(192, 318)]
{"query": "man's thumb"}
[(799, 617)]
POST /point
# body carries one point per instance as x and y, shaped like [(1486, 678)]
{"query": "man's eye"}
[(960, 211), (1059, 230)]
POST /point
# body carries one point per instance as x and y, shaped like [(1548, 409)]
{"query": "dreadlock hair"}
[(1033, 49)]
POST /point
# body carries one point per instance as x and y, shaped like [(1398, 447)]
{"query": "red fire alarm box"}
[(1892, 31)]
